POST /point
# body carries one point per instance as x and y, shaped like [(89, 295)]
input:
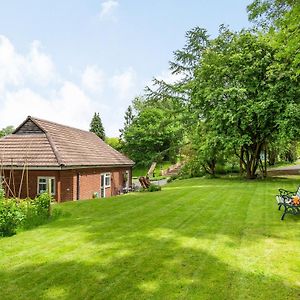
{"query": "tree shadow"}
[(156, 249), (159, 268)]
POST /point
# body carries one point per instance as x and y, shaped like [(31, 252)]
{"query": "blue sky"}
[(64, 60)]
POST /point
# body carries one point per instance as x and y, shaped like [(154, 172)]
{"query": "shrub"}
[(2, 193), (35, 211), (172, 178), (16, 213), (43, 202), (10, 217), (154, 188)]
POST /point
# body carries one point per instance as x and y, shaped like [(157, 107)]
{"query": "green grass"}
[(197, 239)]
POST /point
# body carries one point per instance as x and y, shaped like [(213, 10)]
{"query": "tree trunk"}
[(251, 159)]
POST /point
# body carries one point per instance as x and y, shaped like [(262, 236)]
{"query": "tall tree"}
[(128, 118), (237, 92), (97, 127)]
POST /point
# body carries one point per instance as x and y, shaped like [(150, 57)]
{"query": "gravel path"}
[(293, 167), (157, 182)]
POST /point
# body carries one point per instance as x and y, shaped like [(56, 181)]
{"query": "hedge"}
[(28, 213)]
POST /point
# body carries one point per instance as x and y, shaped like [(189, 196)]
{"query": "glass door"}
[(102, 186)]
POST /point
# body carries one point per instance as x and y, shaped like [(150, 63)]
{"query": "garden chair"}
[(286, 199)]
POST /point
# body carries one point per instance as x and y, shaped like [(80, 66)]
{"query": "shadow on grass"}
[(130, 248), (156, 269)]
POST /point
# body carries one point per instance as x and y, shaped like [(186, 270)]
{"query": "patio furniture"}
[(287, 199)]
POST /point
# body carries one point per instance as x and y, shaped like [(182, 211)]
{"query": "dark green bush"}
[(154, 188)]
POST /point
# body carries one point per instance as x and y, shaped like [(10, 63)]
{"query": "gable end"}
[(28, 127)]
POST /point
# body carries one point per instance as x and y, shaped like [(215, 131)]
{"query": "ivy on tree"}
[(97, 127)]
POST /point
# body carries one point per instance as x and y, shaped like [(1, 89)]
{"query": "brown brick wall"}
[(66, 182), (68, 189), (89, 183), (32, 181)]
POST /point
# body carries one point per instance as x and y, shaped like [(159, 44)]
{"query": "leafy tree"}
[(151, 136), (97, 127), (236, 93), (114, 142), (266, 13), (6, 131)]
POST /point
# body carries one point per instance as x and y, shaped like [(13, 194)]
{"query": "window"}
[(45, 184), (107, 180)]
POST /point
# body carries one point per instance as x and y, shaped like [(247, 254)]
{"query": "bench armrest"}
[(284, 192)]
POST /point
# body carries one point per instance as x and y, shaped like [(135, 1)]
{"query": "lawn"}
[(196, 239)]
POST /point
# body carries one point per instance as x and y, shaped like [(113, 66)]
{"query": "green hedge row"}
[(28, 213)]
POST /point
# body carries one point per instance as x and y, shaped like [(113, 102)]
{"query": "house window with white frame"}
[(107, 179), (46, 184)]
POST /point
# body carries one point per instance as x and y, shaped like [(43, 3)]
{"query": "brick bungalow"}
[(70, 163)]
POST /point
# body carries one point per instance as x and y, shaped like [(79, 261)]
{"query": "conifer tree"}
[(97, 127)]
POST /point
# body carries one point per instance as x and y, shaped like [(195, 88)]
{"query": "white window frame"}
[(47, 182), (107, 177)]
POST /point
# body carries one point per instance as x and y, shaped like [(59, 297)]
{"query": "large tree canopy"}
[(237, 93), (152, 134)]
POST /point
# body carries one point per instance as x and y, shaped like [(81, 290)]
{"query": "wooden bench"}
[(285, 199)]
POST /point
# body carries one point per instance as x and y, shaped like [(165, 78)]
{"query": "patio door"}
[(102, 186)]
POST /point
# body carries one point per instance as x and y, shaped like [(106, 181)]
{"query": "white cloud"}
[(93, 79), (25, 90), (107, 8), (169, 77), (17, 69), (124, 83), (39, 65), (11, 64), (68, 106), (31, 85)]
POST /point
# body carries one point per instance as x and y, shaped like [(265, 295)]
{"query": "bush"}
[(10, 217), (16, 213), (2, 193), (35, 211), (151, 188), (154, 188), (172, 178)]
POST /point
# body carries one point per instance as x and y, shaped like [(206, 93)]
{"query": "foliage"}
[(128, 118), (28, 213), (154, 188), (10, 217), (266, 13), (153, 135), (207, 150), (156, 131), (236, 93), (6, 131), (225, 97), (97, 127), (114, 142), (2, 193)]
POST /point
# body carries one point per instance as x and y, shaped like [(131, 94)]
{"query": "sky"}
[(63, 60)]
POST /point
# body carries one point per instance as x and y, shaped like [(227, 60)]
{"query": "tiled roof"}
[(34, 150), (49, 144)]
